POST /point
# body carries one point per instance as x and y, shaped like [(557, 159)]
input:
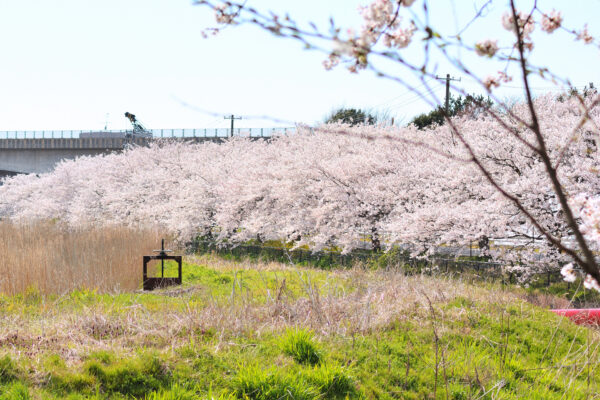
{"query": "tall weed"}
[(46, 258)]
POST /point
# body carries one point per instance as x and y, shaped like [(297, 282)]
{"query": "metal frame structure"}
[(150, 283)]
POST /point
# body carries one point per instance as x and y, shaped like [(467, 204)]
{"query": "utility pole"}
[(232, 118), (447, 79)]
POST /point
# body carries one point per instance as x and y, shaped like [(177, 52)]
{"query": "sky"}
[(81, 64)]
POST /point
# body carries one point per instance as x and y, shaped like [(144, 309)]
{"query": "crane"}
[(138, 128)]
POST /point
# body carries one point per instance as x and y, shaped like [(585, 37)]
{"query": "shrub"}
[(351, 116), (472, 105), (299, 344)]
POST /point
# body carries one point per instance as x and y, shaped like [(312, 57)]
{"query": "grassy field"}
[(257, 330)]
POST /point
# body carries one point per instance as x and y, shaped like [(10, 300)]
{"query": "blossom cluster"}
[(487, 47), (223, 15), (524, 22), (385, 30), (551, 22), (381, 21), (584, 35), (492, 81), (588, 211)]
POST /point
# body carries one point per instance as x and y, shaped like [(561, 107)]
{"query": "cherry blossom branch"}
[(589, 265)]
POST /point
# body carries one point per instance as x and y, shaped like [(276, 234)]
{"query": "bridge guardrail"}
[(156, 133)]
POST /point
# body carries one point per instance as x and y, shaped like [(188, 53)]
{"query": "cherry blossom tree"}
[(337, 185), (390, 26)]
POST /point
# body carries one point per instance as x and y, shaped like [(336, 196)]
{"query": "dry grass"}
[(377, 300), (346, 303), (49, 259)]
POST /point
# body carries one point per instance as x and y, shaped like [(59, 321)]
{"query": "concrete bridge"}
[(39, 152), (18, 156)]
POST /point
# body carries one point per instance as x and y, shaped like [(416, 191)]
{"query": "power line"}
[(550, 88), (416, 98), (408, 92), (553, 88)]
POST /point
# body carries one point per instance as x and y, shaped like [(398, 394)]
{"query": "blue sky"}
[(80, 64)]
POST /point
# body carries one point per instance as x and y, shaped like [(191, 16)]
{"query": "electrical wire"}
[(416, 98), (408, 92), (553, 88)]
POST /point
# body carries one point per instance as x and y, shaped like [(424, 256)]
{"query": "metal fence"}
[(438, 264), (156, 133)]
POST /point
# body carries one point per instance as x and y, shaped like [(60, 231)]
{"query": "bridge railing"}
[(156, 133)]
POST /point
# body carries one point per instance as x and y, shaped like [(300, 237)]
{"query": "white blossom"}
[(223, 15), (591, 284), (551, 22), (491, 82), (525, 23), (568, 273), (585, 36), (487, 47), (400, 38)]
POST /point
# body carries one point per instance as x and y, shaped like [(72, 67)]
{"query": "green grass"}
[(8, 369), (473, 342), (313, 383), (573, 293), (177, 392), (299, 344), (15, 391)]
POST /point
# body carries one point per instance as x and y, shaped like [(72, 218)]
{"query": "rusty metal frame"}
[(160, 282)]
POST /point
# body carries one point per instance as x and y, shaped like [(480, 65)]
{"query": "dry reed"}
[(50, 259)]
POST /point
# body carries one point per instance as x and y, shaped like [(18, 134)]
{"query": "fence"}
[(444, 264), (156, 133)]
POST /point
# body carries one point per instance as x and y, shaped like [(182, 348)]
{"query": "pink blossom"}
[(551, 22), (223, 16), (527, 45), (525, 23), (568, 273), (378, 14), (504, 77), (591, 283), (487, 47), (491, 82), (584, 35), (332, 61), (400, 38)]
